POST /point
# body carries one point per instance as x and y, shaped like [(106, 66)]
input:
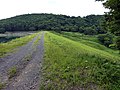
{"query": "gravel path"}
[(28, 63)]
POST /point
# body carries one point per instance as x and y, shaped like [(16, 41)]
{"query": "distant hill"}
[(30, 22)]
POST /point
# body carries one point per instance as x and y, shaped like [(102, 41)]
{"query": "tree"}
[(32, 29), (2, 30), (113, 17), (105, 39), (30, 22), (118, 44), (90, 31)]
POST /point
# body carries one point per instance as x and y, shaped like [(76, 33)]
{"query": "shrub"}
[(105, 39), (2, 30), (32, 29), (118, 44), (90, 31)]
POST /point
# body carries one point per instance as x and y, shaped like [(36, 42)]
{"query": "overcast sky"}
[(9, 8)]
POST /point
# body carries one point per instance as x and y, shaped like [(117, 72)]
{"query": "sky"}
[(10, 8)]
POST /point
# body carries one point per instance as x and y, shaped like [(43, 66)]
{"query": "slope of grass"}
[(88, 40), (7, 39), (9, 46), (70, 65)]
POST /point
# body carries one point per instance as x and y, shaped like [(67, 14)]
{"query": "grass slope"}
[(88, 40), (9, 46), (72, 65)]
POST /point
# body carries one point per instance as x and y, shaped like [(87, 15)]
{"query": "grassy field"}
[(9, 46), (88, 40), (70, 64)]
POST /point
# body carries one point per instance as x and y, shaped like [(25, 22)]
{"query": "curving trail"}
[(28, 63)]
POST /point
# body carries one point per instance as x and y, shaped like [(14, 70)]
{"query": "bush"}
[(118, 43), (106, 39), (90, 31), (113, 46), (32, 29), (2, 30)]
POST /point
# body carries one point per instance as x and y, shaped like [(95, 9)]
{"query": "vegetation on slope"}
[(88, 40), (72, 65), (9, 46), (112, 18), (30, 22), (6, 39)]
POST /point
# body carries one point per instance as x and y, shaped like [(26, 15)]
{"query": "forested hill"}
[(29, 22)]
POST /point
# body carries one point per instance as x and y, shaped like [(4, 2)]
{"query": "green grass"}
[(9, 46), (70, 64), (88, 40), (12, 72), (1, 86), (37, 40)]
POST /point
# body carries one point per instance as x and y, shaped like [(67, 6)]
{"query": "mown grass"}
[(88, 40), (9, 46), (70, 65)]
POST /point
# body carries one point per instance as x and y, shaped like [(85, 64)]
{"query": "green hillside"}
[(31, 22), (88, 40), (71, 64)]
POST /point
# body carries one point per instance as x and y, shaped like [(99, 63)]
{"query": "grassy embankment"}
[(70, 64), (88, 40), (9, 46)]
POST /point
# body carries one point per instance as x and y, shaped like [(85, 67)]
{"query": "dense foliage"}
[(118, 44), (2, 30), (29, 22), (106, 39), (113, 18)]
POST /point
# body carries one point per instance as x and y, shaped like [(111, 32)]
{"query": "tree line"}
[(89, 25), (112, 18)]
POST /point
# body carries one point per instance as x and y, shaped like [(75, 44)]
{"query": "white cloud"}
[(10, 8)]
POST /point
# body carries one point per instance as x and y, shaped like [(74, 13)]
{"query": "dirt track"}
[(27, 61)]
